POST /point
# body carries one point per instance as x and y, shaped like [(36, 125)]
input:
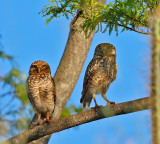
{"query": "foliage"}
[(56, 8), (71, 110), (13, 98), (128, 14), (15, 79), (5, 56)]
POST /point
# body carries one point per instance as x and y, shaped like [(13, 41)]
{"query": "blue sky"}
[(25, 36)]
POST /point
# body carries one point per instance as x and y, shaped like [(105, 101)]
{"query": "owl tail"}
[(86, 100)]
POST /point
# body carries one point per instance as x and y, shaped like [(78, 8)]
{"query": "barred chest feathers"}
[(42, 91)]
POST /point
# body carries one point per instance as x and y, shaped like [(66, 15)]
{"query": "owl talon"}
[(111, 103), (38, 123), (35, 124), (47, 121), (96, 107), (44, 121), (50, 120)]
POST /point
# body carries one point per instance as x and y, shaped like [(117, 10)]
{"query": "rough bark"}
[(155, 78), (70, 66), (78, 119)]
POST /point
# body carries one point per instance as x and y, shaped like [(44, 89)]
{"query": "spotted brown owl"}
[(41, 90), (100, 73)]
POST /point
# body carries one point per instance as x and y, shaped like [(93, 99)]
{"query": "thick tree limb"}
[(78, 119), (155, 78)]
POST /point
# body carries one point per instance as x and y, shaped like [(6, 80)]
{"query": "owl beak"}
[(38, 70), (113, 52)]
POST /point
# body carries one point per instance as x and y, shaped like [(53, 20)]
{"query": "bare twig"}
[(7, 93)]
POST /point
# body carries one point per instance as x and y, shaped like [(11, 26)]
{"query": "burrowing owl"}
[(41, 90), (100, 73)]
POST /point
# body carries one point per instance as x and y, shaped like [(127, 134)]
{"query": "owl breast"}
[(41, 93), (102, 76)]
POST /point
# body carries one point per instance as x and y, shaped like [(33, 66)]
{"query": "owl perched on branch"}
[(100, 73), (41, 90)]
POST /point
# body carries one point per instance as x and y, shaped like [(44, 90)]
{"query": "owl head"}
[(105, 49), (39, 67)]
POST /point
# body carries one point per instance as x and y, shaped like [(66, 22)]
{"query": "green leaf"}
[(132, 14), (70, 110), (5, 56)]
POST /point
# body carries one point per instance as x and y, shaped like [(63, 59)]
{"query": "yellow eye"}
[(44, 66), (109, 48)]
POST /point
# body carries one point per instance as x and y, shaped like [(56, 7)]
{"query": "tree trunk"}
[(70, 66), (155, 78)]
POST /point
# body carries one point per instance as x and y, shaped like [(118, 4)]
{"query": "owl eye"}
[(110, 48), (44, 66), (33, 66)]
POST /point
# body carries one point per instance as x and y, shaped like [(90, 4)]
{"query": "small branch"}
[(1, 78), (132, 29), (78, 119), (134, 19), (7, 104), (7, 93)]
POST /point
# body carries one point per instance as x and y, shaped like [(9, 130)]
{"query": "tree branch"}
[(131, 29), (78, 119), (134, 19)]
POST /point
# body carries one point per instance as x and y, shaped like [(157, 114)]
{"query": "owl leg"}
[(47, 118), (105, 98), (94, 98), (39, 119), (38, 122)]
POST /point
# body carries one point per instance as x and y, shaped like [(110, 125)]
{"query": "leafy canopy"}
[(132, 15)]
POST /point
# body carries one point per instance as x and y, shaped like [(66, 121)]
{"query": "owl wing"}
[(90, 69), (49, 93), (29, 93), (95, 75), (115, 72)]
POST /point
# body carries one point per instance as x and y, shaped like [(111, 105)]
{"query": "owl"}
[(41, 90), (100, 73)]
